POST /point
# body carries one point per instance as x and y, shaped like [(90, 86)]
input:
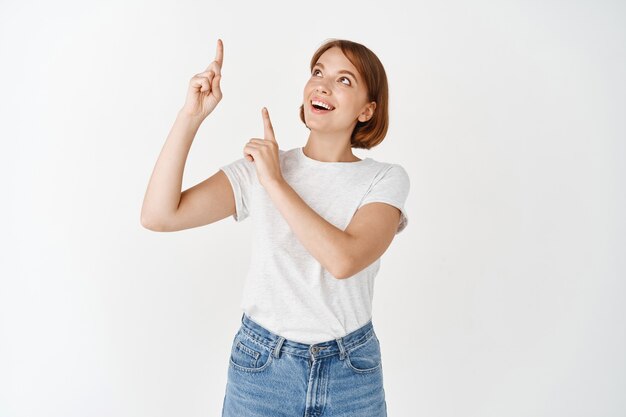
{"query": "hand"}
[(204, 88), (264, 153)]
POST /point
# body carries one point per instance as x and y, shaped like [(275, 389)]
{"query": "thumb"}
[(216, 88)]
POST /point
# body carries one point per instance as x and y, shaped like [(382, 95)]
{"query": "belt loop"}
[(342, 350), (279, 345)]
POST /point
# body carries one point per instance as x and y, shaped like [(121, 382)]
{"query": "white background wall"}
[(503, 297)]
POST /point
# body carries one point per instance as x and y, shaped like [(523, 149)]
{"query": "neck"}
[(329, 148)]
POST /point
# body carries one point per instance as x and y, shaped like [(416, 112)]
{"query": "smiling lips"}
[(326, 107)]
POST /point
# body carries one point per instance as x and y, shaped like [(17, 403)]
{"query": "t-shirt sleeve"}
[(391, 188), (242, 175)]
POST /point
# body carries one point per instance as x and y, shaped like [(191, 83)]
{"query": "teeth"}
[(319, 103)]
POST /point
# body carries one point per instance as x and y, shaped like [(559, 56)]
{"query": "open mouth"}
[(320, 107)]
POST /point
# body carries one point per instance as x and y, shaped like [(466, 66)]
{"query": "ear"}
[(368, 112)]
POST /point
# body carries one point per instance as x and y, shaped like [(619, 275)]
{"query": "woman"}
[(322, 220)]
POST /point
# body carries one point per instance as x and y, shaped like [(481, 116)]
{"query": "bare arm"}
[(165, 208), (343, 253), (163, 195)]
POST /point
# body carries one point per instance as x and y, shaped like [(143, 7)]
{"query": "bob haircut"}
[(368, 134)]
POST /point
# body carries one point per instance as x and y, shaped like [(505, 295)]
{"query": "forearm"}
[(164, 188), (327, 243)]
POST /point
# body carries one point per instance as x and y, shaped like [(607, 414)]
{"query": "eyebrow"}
[(319, 64)]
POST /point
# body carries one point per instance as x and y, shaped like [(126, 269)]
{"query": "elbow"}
[(343, 274), (146, 223), (152, 220), (344, 270), (150, 224)]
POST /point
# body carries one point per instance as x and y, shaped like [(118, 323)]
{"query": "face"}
[(335, 81)]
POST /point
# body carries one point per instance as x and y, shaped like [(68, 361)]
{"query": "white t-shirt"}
[(287, 290)]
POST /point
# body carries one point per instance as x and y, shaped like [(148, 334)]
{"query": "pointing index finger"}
[(269, 130), (219, 54)]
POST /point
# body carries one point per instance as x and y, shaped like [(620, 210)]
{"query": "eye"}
[(342, 78)]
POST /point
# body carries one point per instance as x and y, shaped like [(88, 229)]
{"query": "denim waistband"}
[(318, 350)]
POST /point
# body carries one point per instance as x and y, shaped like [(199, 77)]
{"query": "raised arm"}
[(164, 206)]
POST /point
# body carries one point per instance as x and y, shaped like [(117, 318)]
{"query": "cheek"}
[(310, 82), (308, 88)]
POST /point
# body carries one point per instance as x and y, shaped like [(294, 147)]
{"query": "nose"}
[(321, 88)]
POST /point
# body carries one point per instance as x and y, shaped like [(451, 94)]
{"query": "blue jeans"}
[(270, 376)]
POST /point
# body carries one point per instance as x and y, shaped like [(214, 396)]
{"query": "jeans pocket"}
[(248, 355), (365, 357)]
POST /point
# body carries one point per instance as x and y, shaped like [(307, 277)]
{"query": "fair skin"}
[(329, 139), (342, 252)]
